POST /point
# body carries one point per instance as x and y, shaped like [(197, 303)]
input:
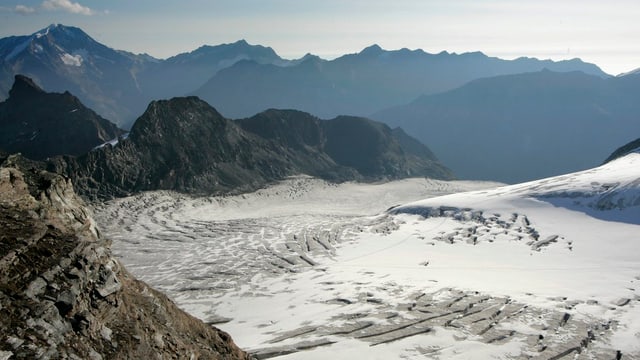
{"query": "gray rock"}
[(67, 315), (36, 288)]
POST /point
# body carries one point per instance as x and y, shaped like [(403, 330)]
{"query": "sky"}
[(606, 33)]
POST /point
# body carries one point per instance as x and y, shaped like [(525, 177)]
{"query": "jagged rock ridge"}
[(359, 84), (184, 144), (62, 294), (369, 147), (40, 124)]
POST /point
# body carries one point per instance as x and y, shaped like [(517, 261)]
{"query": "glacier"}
[(306, 269)]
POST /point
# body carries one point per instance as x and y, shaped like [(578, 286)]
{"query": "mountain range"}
[(241, 79), (514, 128), (359, 84), (117, 84), (184, 144)]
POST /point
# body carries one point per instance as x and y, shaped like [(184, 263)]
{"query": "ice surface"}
[(310, 270)]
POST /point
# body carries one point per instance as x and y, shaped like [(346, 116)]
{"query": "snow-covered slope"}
[(305, 270)]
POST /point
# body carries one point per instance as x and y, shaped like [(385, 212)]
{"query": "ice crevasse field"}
[(416, 268)]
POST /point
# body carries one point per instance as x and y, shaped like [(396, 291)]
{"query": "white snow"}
[(323, 271), (45, 32), (112, 142), (71, 60), (24, 45)]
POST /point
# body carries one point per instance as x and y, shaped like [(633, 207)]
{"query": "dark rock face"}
[(184, 144), (40, 125), (181, 144), (183, 73), (624, 150), (62, 295), (370, 149)]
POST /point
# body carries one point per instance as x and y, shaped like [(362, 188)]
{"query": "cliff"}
[(63, 295)]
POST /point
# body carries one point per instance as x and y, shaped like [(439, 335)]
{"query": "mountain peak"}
[(24, 85), (372, 50), (175, 116), (60, 30)]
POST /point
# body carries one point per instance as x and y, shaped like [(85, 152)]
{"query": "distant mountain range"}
[(117, 84), (359, 84), (515, 128), (241, 79)]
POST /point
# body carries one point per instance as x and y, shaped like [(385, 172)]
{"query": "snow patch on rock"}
[(71, 60)]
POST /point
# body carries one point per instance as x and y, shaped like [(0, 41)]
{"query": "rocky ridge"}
[(62, 294), (184, 144), (39, 124)]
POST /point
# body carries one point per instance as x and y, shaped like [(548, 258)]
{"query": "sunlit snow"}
[(71, 60), (310, 270)]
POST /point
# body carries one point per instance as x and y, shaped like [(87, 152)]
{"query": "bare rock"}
[(62, 295)]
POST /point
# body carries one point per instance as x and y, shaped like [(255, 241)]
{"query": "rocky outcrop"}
[(371, 150), (40, 124), (62, 294), (184, 144), (181, 144)]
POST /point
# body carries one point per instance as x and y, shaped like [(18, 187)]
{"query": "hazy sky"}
[(606, 33)]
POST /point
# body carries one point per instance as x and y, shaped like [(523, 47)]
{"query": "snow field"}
[(305, 269)]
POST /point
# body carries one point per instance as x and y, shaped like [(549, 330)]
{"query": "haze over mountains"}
[(514, 128), (486, 118), (119, 84), (359, 84), (184, 144), (274, 226)]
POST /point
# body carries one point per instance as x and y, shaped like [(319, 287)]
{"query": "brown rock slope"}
[(62, 294)]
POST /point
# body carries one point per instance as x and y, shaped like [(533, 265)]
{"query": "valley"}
[(359, 202)]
